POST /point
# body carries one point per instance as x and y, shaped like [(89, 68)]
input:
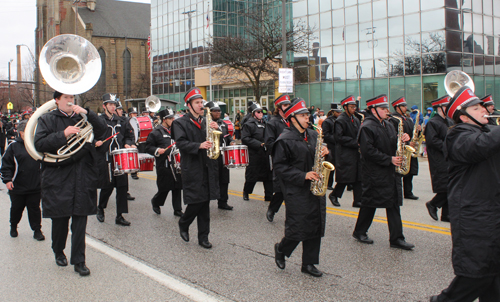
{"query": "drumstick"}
[(110, 137), (169, 146)]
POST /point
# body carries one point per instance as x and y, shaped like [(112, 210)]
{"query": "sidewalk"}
[(29, 271)]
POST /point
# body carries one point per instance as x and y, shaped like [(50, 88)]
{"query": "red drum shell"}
[(230, 127), (235, 156), (146, 162), (125, 160), (176, 160), (142, 127)]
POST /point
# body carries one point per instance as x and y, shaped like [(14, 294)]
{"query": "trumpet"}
[(497, 117)]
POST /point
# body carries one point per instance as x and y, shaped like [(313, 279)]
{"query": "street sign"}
[(285, 80), (10, 106)]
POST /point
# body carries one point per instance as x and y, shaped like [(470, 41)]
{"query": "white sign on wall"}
[(285, 80)]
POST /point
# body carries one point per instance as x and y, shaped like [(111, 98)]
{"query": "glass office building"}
[(359, 47)]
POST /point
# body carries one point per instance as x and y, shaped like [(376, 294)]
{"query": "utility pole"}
[(9, 77), (283, 33)]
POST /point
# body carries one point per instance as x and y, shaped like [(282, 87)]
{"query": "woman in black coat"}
[(293, 161), (258, 168), (69, 190), (472, 149), (381, 184), (435, 133), (167, 179)]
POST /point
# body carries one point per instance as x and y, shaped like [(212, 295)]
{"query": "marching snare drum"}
[(176, 160), (146, 162), (230, 127), (235, 156), (125, 161), (142, 126)]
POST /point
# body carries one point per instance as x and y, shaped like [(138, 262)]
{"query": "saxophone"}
[(323, 168), (403, 150), (416, 137), (213, 137)]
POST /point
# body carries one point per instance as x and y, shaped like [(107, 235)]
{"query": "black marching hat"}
[(166, 113)]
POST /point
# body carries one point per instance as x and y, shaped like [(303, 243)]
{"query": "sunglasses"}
[(258, 111)]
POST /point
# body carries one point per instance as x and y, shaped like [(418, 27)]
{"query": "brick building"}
[(118, 29)]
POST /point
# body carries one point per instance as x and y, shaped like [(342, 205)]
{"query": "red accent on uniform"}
[(399, 102), (380, 100), (296, 107), (487, 99), (282, 99), (196, 123), (465, 96), (191, 94), (348, 100), (441, 102)]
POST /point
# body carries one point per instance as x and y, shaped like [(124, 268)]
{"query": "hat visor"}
[(472, 103), (383, 105), (303, 110)]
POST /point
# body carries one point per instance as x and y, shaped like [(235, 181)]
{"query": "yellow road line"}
[(345, 213)]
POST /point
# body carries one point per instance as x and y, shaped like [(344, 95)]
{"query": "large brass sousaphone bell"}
[(455, 80), (69, 64)]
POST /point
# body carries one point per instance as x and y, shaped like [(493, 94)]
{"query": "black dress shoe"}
[(13, 231), (311, 270), (401, 244), (362, 238), (279, 257), (134, 176), (205, 244), (156, 208), (100, 214), (334, 200), (270, 215), (121, 221), (350, 187), (61, 259), (432, 210), (329, 188), (245, 196), (178, 213), (38, 235), (82, 269), (411, 197), (225, 207), (435, 299), (356, 204), (184, 234), (445, 218), (130, 197)]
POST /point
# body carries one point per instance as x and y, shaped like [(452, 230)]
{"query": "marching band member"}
[(68, 189), (293, 161), (225, 139), (200, 174), (490, 108), (381, 184), (400, 107), (329, 136), (347, 164), (274, 128), (258, 168), (472, 149), (435, 134), (124, 139), (159, 144), (132, 112), (21, 175)]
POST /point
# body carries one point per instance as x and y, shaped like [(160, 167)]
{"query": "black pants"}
[(121, 198), (340, 187), (223, 188), (268, 189), (310, 249), (330, 179), (200, 211), (32, 204), (161, 196), (408, 185), (276, 202), (440, 200), (365, 219), (464, 289), (60, 234)]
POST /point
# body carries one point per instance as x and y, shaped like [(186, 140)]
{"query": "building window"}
[(101, 84), (127, 74)]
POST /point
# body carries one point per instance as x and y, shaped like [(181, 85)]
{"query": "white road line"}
[(162, 278)]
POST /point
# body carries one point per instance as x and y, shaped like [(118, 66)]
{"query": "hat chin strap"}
[(300, 125), (473, 119)]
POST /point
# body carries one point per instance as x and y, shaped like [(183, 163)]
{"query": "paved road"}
[(148, 261)]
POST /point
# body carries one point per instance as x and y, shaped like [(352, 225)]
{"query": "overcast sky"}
[(18, 23)]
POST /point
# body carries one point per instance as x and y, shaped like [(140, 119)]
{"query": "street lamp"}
[(9, 77)]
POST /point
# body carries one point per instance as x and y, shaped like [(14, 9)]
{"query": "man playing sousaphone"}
[(123, 138), (68, 188)]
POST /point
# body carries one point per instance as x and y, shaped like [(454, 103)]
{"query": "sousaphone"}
[(69, 64)]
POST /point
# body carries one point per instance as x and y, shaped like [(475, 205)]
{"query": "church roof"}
[(118, 19)]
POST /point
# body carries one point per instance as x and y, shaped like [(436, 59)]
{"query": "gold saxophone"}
[(403, 150), (323, 168), (417, 138), (213, 137)]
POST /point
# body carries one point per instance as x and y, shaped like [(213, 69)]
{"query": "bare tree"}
[(252, 58), (140, 88)]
